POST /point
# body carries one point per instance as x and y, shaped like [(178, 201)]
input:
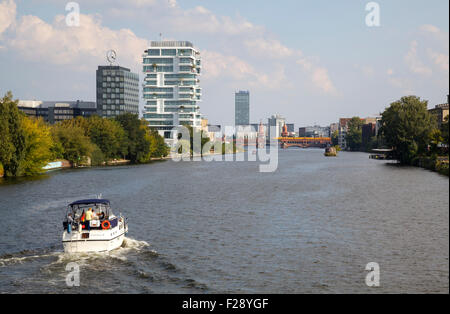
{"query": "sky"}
[(312, 62)]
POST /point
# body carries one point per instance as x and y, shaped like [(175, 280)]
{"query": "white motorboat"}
[(104, 232)]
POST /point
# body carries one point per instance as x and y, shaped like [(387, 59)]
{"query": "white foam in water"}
[(20, 260), (81, 258)]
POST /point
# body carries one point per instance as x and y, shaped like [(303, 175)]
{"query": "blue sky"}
[(310, 61)]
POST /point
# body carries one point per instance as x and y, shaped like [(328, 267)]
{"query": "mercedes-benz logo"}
[(111, 56)]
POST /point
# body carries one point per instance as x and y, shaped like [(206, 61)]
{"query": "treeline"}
[(410, 130), (28, 144)]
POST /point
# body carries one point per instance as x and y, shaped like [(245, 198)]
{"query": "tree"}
[(106, 134), (12, 136), (407, 127), (38, 144), (335, 138), (158, 146), (143, 144), (194, 133), (76, 146), (444, 131), (354, 133), (137, 137)]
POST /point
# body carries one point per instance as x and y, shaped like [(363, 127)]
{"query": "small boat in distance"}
[(330, 151), (103, 232)]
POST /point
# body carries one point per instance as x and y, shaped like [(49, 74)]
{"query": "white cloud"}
[(269, 48), (439, 59), (413, 61), (319, 75), (217, 65), (83, 47), (7, 15)]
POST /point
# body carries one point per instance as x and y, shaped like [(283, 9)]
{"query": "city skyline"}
[(311, 78)]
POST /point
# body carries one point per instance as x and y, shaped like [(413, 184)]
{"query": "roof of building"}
[(171, 43)]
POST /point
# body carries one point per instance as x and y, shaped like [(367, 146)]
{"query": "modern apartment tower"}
[(171, 87), (117, 91), (242, 108)]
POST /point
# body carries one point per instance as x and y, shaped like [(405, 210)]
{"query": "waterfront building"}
[(440, 112), (117, 91), (242, 108), (314, 131), (333, 128), (278, 122), (343, 128), (56, 111), (171, 88), (368, 131), (257, 127), (261, 140), (290, 128)]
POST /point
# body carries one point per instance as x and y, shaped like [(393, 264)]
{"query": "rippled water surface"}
[(198, 227)]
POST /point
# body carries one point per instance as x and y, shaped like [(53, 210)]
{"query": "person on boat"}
[(101, 215), (83, 219), (69, 223), (88, 218)]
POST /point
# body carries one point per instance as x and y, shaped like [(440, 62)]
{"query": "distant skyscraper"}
[(242, 108), (171, 86), (277, 122), (117, 91)]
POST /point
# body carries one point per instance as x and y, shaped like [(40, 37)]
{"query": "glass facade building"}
[(117, 91), (171, 88), (242, 108)]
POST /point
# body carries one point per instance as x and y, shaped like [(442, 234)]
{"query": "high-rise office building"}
[(242, 108), (276, 123), (117, 91), (171, 86)]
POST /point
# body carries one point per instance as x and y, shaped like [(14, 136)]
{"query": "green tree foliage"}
[(406, 127), (142, 144), (354, 134), (203, 136), (12, 136), (159, 147), (444, 131), (106, 134), (76, 146), (38, 143), (335, 138)]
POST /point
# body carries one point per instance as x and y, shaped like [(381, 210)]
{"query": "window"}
[(153, 52), (168, 52)]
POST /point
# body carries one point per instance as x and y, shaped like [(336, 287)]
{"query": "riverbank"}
[(436, 164)]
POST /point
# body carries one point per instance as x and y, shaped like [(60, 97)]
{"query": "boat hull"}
[(86, 246), (94, 240)]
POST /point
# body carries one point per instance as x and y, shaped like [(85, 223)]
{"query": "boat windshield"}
[(102, 211)]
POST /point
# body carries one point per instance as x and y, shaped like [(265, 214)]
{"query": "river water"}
[(223, 227)]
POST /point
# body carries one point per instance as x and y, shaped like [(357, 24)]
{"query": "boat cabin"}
[(102, 217)]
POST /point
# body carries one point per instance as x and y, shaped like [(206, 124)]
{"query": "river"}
[(223, 227)]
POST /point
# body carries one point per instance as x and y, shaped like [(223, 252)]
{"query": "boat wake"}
[(132, 268), (129, 246)]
